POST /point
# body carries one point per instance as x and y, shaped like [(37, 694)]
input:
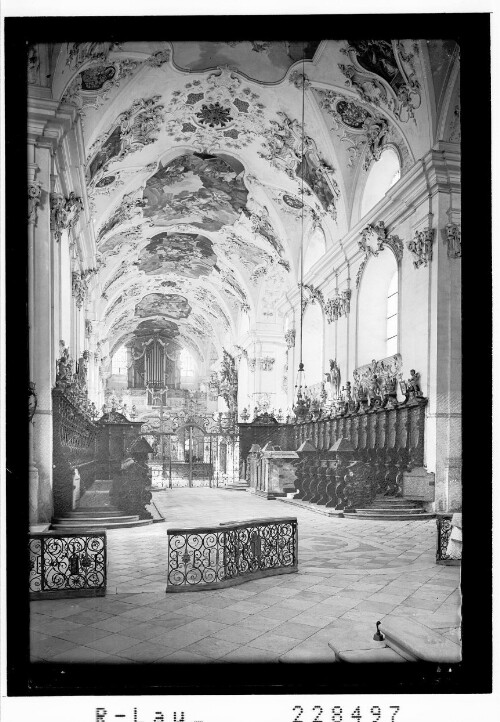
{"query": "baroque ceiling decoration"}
[(363, 132), (383, 73), (219, 111), (133, 129), (195, 155)]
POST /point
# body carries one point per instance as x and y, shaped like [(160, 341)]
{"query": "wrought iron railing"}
[(214, 557), (67, 565), (444, 527)]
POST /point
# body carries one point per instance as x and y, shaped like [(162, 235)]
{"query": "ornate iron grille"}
[(443, 523), (209, 558), (66, 565)]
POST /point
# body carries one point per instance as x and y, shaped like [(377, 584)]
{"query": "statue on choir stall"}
[(414, 384), (333, 378)]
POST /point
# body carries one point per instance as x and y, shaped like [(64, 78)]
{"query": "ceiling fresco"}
[(199, 169), (156, 304), (204, 192), (157, 325), (184, 254), (263, 60)]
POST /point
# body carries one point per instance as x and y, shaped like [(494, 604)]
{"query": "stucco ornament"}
[(452, 237), (420, 246), (383, 73)]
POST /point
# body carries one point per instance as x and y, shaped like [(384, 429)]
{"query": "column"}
[(444, 413), (42, 362)]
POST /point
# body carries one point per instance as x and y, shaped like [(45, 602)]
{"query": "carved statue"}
[(64, 376), (333, 378), (414, 384)]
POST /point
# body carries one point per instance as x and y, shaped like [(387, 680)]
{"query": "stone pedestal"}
[(277, 472), (253, 467), (418, 484)]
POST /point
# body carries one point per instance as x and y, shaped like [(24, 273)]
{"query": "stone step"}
[(373, 514), (395, 503), (95, 520), (91, 512), (391, 510), (91, 525), (316, 508), (417, 643)]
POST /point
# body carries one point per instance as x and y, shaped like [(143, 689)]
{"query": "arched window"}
[(383, 174), (377, 309), (312, 343), (315, 249), (119, 361), (244, 321), (392, 316), (187, 364)]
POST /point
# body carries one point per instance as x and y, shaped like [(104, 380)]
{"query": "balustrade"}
[(67, 565), (232, 553)]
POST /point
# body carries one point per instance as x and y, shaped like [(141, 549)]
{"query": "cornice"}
[(441, 165)]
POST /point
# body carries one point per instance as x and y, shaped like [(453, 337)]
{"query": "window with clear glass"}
[(392, 316), (187, 364), (383, 174), (119, 362)]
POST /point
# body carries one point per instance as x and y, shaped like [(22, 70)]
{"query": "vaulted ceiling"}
[(194, 159)]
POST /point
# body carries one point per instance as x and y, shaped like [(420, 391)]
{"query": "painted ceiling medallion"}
[(292, 201), (183, 254), (94, 78), (352, 115), (214, 115), (160, 304), (105, 181), (204, 192)]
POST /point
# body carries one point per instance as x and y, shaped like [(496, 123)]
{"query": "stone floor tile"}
[(182, 656), (273, 643), (374, 606), (114, 624), (237, 633), (145, 630), (89, 617), (61, 612), (301, 605), (249, 607), (281, 612), (212, 647), (250, 655), (55, 627), (226, 617), (83, 635), (307, 652), (295, 630), (145, 652), (314, 620), (47, 648), (282, 591), (113, 643), (82, 655), (257, 621), (420, 603), (143, 614), (196, 610), (204, 626)]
